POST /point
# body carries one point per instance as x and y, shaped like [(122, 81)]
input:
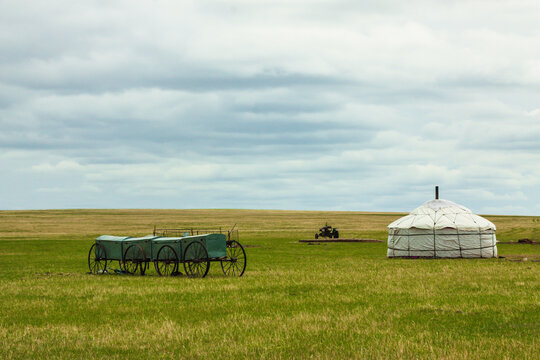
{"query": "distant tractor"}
[(327, 231)]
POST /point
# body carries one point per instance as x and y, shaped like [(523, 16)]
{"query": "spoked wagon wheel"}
[(196, 263), (97, 259), (134, 258), (166, 262), (235, 265)]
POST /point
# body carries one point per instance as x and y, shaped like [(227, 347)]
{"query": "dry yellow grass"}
[(80, 224)]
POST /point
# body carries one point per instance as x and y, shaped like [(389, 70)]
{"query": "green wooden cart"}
[(132, 253), (167, 253)]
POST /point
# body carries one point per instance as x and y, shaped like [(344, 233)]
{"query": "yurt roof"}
[(439, 214)]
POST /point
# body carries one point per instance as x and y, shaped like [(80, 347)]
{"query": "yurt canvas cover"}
[(442, 229)]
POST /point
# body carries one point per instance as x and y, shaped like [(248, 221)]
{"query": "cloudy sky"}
[(297, 104)]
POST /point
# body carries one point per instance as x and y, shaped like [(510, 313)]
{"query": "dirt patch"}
[(56, 274), (520, 242), (339, 241), (525, 257)]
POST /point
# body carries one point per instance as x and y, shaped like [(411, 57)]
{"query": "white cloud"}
[(62, 166), (275, 104)]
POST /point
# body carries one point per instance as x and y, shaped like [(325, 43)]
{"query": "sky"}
[(297, 104)]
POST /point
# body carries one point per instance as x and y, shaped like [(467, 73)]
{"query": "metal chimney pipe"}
[(436, 192)]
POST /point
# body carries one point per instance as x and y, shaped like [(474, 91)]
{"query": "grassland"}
[(295, 300)]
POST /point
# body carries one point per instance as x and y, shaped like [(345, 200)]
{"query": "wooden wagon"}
[(194, 252)]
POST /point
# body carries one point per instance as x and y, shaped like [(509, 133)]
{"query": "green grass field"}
[(295, 300)]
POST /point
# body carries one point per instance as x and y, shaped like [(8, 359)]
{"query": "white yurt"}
[(442, 229)]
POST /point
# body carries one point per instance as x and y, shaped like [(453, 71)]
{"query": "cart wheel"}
[(143, 267), (196, 263), (235, 265), (166, 262), (97, 259), (134, 258)]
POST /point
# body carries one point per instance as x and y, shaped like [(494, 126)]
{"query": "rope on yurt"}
[(493, 244), (408, 242), (444, 250), (458, 240), (461, 233), (434, 248), (480, 238), (393, 242), (411, 226)]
